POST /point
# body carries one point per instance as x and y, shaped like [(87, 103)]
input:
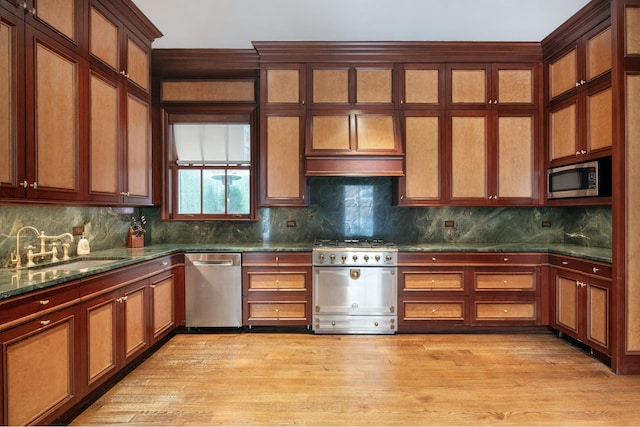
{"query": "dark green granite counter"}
[(16, 282)]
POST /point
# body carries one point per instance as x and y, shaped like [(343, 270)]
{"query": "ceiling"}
[(234, 24)]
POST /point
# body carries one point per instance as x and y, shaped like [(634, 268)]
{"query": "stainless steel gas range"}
[(355, 287)]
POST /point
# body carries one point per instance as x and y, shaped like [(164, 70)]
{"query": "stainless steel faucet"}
[(17, 260)]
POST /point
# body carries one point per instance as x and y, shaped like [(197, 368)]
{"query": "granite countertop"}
[(16, 282)]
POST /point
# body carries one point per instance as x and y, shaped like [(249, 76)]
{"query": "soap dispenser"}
[(83, 246)]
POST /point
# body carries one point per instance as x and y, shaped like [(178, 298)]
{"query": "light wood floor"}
[(300, 379)]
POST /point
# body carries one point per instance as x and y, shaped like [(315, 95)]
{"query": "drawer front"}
[(434, 281), (506, 281), (505, 310), (584, 266), (276, 259), (277, 281), (415, 310), (330, 324), (277, 310), (32, 304)]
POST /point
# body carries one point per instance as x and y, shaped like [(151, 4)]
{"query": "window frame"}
[(214, 114)]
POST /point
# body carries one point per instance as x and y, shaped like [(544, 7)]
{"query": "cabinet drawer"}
[(584, 266), (415, 310), (276, 310), (34, 303), (505, 310), (506, 281), (277, 281), (434, 281), (276, 259)]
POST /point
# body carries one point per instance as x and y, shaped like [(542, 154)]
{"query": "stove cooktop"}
[(353, 243)]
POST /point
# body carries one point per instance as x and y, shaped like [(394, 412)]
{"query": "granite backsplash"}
[(338, 208)]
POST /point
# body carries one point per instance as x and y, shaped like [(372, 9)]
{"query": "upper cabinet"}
[(580, 99), (64, 137), (421, 85), (351, 85), (283, 85), (484, 85)]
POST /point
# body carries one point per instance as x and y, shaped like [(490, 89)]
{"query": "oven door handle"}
[(354, 273)]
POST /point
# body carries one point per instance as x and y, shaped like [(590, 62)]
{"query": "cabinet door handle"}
[(24, 184), (44, 302), (505, 259), (45, 322), (596, 269), (565, 262), (125, 193)]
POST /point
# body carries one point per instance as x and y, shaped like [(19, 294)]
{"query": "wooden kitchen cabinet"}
[(39, 341), (119, 111), (581, 294), (276, 289), (351, 85), (580, 93), (283, 99), (52, 100), (432, 292), (502, 148), (421, 85), (282, 180)]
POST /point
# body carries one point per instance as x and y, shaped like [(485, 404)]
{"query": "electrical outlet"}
[(77, 230), (291, 223), (449, 223)]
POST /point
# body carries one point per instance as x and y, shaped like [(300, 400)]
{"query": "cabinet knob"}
[(44, 302), (596, 269), (45, 322), (125, 193), (505, 259), (565, 262), (34, 185), (24, 184)]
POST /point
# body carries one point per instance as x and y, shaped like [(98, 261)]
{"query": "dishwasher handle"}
[(214, 262)]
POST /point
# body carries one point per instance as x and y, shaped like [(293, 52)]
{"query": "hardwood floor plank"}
[(302, 379)]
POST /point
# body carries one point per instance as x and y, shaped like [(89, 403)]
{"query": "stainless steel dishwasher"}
[(213, 290)]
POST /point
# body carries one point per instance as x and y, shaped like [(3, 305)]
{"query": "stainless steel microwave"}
[(589, 179)]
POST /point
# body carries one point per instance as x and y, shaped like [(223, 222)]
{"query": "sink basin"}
[(80, 264)]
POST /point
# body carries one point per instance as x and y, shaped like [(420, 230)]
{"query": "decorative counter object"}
[(135, 236)]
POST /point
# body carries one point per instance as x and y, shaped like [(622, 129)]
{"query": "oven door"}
[(355, 290)]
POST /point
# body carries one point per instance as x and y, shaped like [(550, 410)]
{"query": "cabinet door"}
[(330, 85), (102, 332), (104, 37), (39, 369), (516, 148), (469, 156), (567, 303), (12, 126), (514, 85), (598, 53), (104, 138), (61, 19), (138, 61), (421, 85), (597, 329), (563, 130), (53, 121), (281, 150), (423, 160), (162, 305), (599, 111), (374, 86), (283, 85), (469, 85), (137, 188), (563, 73), (135, 306)]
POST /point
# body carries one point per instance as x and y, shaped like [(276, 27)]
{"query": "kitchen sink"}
[(80, 265)]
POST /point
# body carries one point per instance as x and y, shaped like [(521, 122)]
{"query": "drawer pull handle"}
[(596, 269), (433, 310), (506, 311), (164, 263), (505, 259), (44, 302), (45, 322), (433, 258), (565, 262)]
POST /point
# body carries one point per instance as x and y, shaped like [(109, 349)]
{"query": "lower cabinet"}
[(581, 306), (276, 289), (116, 331), (458, 291), (38, 370)]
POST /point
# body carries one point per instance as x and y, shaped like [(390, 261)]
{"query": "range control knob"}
[(332, 257), (321, 258), (344, 258), (366, 258), (355, 257), (377, 258), (389, 257)]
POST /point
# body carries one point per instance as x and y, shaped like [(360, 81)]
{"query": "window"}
[(211, 167)]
